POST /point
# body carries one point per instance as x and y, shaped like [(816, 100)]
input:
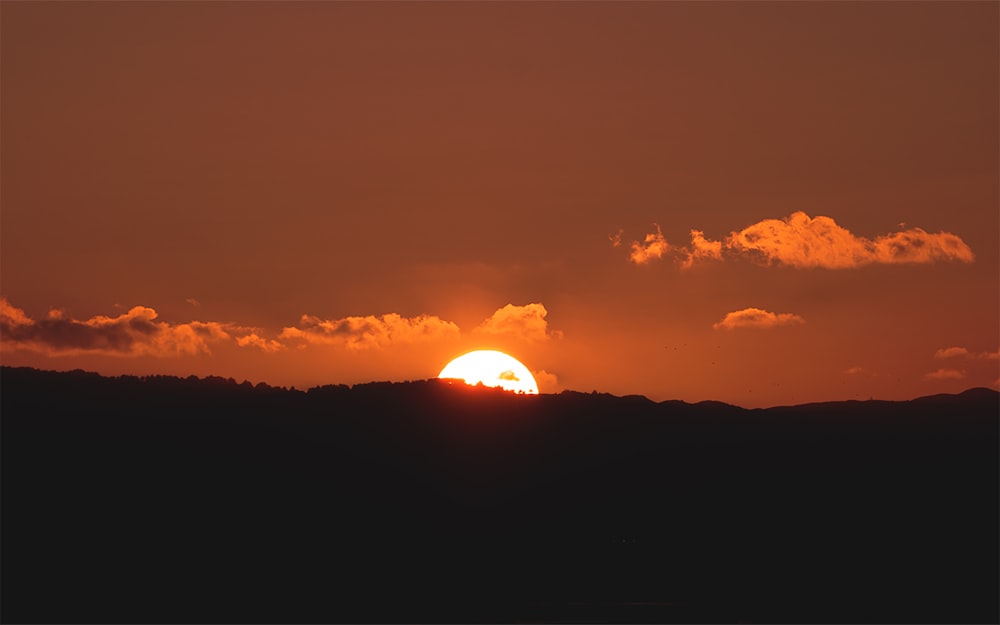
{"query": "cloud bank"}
[(134, 333), (139, 332), (804, 242), (373, 332), (357, 333), (756, 318), (956, 352)]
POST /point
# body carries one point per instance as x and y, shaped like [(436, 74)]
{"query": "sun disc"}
[(491, 368)]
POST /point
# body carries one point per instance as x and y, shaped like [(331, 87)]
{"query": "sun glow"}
[(491, 368)]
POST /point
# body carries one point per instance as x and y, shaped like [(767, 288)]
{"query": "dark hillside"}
[(187, 500)]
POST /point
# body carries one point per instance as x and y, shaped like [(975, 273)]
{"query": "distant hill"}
[(161, 499)]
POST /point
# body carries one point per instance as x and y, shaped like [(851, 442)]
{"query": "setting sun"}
[(491, 368)]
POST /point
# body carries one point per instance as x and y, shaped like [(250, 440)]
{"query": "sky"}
[(760, 203)]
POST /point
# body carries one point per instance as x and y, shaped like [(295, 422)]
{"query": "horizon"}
[(693, 201), (167, 499), (492, 390)]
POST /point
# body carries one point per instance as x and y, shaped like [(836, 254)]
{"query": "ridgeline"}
[(161, 499)]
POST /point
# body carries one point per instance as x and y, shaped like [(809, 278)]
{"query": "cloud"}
[(134, 333), (140, 332), (253, 340), (369, 332), (616, 238), (918, 246), (804, 242), (954, 352), (945, 374), (951, 352), (757, 318), (701, 248), (547, 382), (854, 370), (800, 241), (525, 322), (655, 246)]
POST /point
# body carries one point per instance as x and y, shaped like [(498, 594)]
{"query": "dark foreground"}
[(168, 500)]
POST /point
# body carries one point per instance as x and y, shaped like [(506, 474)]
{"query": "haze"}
[(759, 203)]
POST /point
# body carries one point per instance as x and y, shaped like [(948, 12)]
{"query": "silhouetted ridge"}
[(164, 499)]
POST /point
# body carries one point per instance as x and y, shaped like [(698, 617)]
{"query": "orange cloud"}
[(954, 352), (134, 333), (805, 242), (371, 332), (526, 322), (701, 248), (918, 246), (951, 352), (945, 374), (616, 238), (801, 241), (547, 382), (253, 340), (655, 246), (756, 318)]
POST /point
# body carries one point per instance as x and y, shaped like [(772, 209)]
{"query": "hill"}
[(161, 499)]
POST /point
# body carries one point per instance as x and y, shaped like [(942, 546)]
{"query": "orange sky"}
[(759, 203)]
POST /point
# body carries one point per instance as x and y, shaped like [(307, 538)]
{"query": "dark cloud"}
[(134, 333)]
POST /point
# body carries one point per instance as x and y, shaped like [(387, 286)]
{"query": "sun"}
[(491, 368)]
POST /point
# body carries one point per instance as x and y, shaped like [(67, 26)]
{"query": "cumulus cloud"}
[(805, 242), (140, 332), (945, 374), (654, 246), (134, 333), (802, 241), (508, 375), (369, 332), (918, 246), (701, 249), (547, 382), (616, 238), (253, 340), (756, 318), (525, 322)]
